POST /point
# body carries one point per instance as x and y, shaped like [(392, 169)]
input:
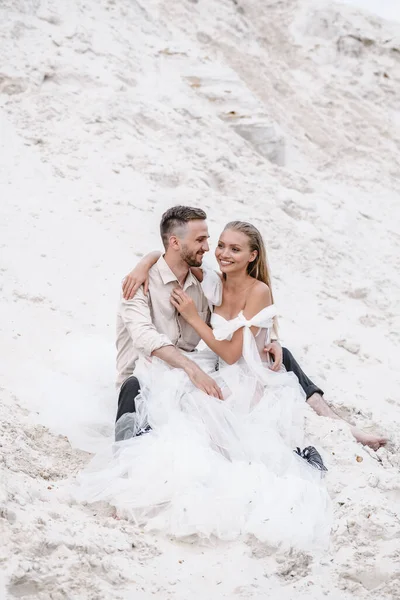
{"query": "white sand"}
[(283, 113)]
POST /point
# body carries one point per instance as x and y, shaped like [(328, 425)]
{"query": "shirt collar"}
[(168, 276)]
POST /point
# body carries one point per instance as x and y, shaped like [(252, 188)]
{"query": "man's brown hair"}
[(177, 217)]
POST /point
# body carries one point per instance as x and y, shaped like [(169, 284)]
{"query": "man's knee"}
[(126, 400), (287, 359), (131, 386), (305, 382)]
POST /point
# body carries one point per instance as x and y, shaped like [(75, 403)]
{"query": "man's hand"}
[(275, 350), (203, 382), (174, 357)]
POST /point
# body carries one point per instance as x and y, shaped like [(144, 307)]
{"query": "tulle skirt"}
[(214, 468)]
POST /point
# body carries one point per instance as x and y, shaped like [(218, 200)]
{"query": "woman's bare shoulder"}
[(259, 293), (260, 287)]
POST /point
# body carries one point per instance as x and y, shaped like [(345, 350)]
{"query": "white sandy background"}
[(284, 113)]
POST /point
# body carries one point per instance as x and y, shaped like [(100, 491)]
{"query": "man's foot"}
[(318, 404), (368, 439)]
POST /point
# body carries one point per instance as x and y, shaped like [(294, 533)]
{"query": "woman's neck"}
[(236, 282)]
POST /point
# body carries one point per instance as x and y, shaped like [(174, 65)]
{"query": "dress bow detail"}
[(223, 330), (262, 319)]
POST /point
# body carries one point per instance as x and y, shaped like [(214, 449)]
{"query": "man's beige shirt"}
[(147, 323)]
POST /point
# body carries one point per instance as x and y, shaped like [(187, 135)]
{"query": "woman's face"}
[(233, 251)]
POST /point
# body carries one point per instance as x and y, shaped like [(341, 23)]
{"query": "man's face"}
[(194, 242)]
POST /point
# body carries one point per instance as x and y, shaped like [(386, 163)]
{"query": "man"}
[(149, 325)]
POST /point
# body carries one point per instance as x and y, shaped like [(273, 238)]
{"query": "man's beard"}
[(190, 258)]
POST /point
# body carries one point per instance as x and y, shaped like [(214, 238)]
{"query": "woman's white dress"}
[(217, 468)]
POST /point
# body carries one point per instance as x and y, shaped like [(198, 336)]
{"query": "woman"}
[(216, 468)]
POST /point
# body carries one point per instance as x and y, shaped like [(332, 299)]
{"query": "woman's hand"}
[(184, 304), (132, 282), (274, 349), (139, 275)]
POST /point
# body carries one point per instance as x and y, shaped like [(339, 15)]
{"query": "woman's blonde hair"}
[(259, 267)]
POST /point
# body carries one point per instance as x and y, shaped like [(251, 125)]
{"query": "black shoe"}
[(146, 429), (127, 433), (313, 457)]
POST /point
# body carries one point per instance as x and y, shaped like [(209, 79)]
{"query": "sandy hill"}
[(285, 113)]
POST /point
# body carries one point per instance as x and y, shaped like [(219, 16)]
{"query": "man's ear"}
[(174, 242)]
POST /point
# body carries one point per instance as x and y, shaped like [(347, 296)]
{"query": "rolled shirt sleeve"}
[(137, 318)]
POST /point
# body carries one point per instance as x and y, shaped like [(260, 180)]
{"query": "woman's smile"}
[(225, 263)]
